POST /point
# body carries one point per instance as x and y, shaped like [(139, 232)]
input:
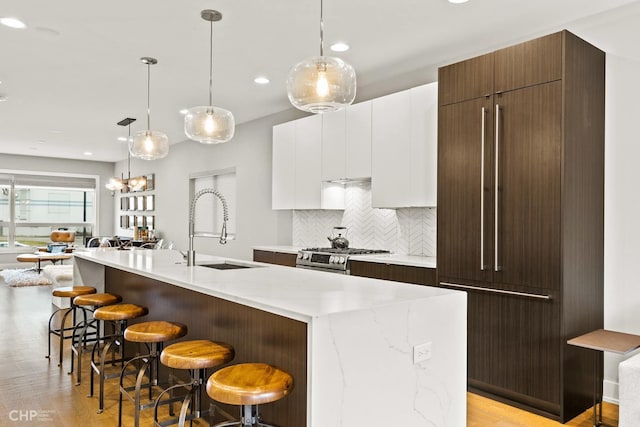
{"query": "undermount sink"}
[(225, 266)]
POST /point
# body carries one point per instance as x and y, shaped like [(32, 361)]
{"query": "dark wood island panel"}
[(257, 335)]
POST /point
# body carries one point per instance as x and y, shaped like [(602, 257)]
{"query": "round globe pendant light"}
[(322, 83), (209, 124), (149, 144)]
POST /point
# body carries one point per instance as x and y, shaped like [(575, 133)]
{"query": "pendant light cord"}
[(321, 29), (149, 96), (129, 155), (211, 64)]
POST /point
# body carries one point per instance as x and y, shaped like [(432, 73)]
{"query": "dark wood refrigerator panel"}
[(514, 348), (465, 233), (530, 63), (529, 141), (466, 80), (542, 229)]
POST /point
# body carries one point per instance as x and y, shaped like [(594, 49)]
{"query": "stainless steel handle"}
[(496, 213), (482, 267), (497, 291)]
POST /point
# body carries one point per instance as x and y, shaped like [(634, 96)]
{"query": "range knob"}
[(342, 260), (332, 259), (305, 255), (299, 255)]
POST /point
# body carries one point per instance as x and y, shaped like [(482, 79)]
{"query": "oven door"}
[(328, 270)]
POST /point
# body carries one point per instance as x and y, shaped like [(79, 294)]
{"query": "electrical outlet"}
[(421, 352)]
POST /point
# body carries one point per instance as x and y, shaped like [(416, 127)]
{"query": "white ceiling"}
[(75, 71)]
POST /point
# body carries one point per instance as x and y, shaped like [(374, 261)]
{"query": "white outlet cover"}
[(422, 352)]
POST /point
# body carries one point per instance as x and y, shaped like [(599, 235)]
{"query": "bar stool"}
[(248, 385), (153, 334), (61, 332), (87, 328), (196, 356), (117, 315)]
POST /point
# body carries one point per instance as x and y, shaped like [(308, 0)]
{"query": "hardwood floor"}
[(35, 391)]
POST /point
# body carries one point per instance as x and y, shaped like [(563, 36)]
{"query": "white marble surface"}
[(292, 292), (282, 249), (398, 259), (362, 334)]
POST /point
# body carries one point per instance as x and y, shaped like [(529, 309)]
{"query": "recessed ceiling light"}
[(184, 111), (3, 98), (41, 141), (339, 47), (458, 1), (12, 22), (261, 80), (122, 138), (88, 153)]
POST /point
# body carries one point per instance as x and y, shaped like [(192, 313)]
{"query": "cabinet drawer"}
[(278, 258), (396, 273), (530, 63)]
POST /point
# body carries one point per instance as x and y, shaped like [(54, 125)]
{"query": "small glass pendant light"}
[(149, 144), (322, 83), (209, 124)]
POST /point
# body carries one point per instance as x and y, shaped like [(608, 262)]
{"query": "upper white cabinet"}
[(296, 174), (404, 148), (283, 166), (346, 143)]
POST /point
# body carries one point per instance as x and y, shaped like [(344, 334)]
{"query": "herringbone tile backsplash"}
[(409, 231)]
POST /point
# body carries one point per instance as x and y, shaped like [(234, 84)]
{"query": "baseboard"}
[(610, 392)]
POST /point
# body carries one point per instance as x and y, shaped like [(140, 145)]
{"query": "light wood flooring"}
[(31, 384)]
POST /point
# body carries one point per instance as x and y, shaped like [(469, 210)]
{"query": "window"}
[(32, 205), (209, 213)]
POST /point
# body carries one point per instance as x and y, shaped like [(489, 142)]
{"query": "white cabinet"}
[(283, 166), (404, 148), (346, 143), (296, 174)]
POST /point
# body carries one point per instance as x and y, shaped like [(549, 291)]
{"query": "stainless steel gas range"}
[(331, 259)]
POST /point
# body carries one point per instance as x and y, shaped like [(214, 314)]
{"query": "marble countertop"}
[(292, 292), (398, 259)]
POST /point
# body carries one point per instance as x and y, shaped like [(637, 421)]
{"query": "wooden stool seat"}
[(97, 300), (120, 312), (249, 384), (73, 291), (197, 354), (155, 331)]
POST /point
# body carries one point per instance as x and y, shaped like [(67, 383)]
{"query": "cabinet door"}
[(423, 145), (464, 196), (514, 348), (530, 63), (308, 151), (334, 145), (466, 80), (390, 138), (529, 182), (283, 169), (358, 138)]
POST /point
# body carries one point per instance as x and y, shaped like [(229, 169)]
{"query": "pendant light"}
[(322, 83), (149, 144), (126, 184), (209, 124)]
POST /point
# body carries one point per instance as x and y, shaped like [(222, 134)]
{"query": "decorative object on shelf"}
[(149, 144), (321, 83), (127, 184), (209, 124)]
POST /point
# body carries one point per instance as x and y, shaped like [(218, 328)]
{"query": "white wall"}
[(104, 170), (250, 153)]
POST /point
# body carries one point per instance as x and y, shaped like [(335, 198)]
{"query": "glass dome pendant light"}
[(149, 144), (322, 83), (209, 124)]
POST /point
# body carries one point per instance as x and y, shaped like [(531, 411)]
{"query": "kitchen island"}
[(350, 342)]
